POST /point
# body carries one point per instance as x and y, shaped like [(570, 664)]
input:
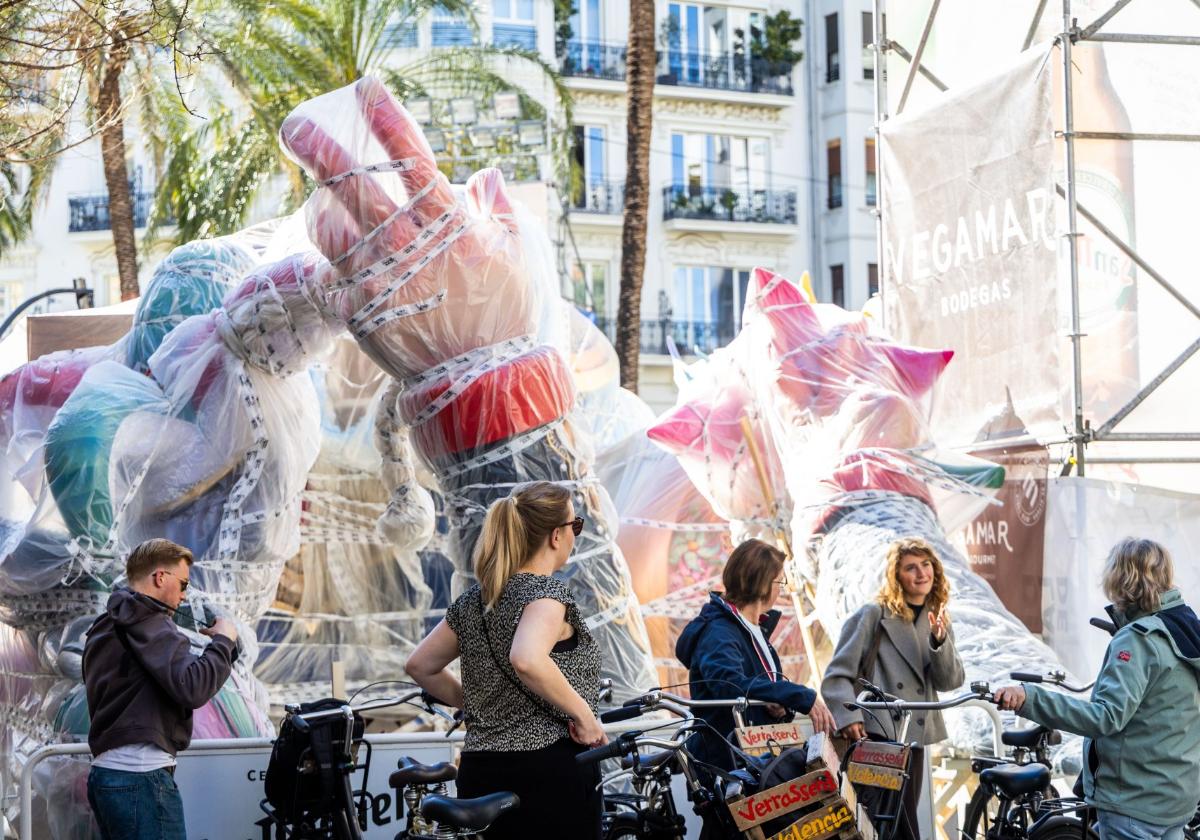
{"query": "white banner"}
[(1085, 517), (969, 216)]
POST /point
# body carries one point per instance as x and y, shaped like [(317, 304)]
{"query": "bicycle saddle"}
[(1014, 780), (470, 814), (1028, 738), (415, 773), (648, 760)]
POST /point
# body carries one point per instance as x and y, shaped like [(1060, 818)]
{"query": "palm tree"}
[(274, 56), (72, 64), (639, 73)]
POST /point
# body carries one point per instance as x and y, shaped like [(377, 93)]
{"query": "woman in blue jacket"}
[(728, 653)]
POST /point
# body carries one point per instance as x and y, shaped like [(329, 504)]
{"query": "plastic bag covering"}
[(442, 295), (191, 280), (351, 593), (845, 412)]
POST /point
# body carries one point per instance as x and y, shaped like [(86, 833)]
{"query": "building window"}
[(11, 295), (868, 38), (513, 24), (833, 70), (833, 159), (837, 285), (448, 29), (589, 290), (872, 279), (706, 306), (400, 35), (870, 161)]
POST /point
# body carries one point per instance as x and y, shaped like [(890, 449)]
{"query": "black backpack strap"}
[(540, 702)]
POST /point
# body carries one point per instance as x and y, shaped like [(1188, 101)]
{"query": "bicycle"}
[(650, 812), (1058, 818), (432, 813), (1030, 746)]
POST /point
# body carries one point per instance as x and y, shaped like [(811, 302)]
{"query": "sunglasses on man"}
[(183, 582)]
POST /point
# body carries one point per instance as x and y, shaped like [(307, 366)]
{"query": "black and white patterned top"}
[(501, 716)]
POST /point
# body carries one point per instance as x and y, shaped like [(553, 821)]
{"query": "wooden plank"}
[(819, 825), (882, 754), (809, 789), (757, 740), (821, 754), (873, 775), (71, 331)]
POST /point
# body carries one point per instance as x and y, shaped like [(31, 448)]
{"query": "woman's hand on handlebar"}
[(1010, 698), (854, 732), (588, 732), (822, 719)]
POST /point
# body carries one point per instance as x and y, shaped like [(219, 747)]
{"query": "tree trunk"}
[(116, 173), (640, 73)]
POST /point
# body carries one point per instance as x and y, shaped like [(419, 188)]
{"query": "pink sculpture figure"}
[(846, 410), (441, 293)]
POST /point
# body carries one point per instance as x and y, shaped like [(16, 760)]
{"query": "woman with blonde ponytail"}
[(530, 670)]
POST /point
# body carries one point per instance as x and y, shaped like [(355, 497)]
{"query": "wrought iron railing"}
[(90, 212), (688, 68), (723, 71), (602, 197), (594, 60), (689, 336), (728, 204)]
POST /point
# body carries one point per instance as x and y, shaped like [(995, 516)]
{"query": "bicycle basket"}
[(306, 766)]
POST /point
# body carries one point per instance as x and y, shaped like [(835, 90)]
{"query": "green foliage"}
[(774, 44), (563, 10), (274, 56)]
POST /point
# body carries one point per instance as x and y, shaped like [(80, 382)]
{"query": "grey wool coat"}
[(908, 666)]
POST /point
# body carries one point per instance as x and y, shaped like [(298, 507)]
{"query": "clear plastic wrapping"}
[(845, 410), (448, 294)]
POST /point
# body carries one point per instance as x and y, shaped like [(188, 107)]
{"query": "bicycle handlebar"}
[(623, 713), (893, 703), (1058, 678), (613, 749)]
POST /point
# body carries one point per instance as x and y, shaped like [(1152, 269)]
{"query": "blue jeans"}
[(136, 806), (1113, 826)]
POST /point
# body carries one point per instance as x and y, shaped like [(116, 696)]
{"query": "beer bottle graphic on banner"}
[(1104, 188)]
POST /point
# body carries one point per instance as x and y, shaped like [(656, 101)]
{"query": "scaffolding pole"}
[(878, 44), (1081, 431)]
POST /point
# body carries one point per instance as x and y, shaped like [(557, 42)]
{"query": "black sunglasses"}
[(576, 525)]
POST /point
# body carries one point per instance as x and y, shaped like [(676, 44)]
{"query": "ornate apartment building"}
[(753, 162)]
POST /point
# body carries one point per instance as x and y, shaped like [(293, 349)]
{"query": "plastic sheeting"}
[(210, 446), (845, 412), (450, 296)]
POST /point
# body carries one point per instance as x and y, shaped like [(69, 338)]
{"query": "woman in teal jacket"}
[(1142, 723)]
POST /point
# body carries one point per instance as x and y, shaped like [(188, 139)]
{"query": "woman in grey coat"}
[(915, 656), (903, 644)]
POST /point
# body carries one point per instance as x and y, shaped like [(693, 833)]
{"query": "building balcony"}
[(723, 71), (593, 60), (725, 204), (713, 71), (90, 212), (604, 198), (689, 336)]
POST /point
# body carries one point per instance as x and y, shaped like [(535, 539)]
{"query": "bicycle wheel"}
[(984, 804), (622, 827), (1063, 828)]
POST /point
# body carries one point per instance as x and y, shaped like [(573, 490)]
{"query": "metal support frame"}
[(1082, 433), (1072, 234), (880, 45), (916, 60)]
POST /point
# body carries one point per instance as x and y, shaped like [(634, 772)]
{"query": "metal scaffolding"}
[(1081, 431)]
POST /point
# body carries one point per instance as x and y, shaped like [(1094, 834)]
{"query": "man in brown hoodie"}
[(142, 684)]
